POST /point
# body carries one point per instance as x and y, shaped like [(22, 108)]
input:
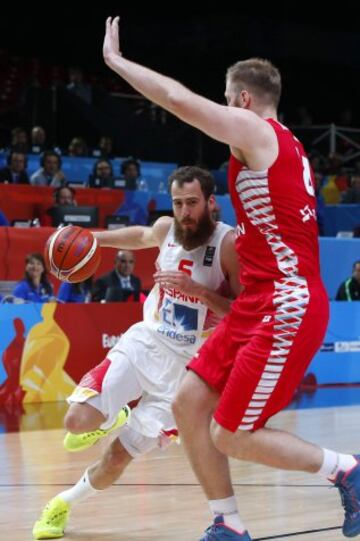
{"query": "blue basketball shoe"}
[(219, 532), (348, 484)]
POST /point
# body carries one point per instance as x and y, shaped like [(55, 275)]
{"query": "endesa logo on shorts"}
[(179, 337), (177, 321)]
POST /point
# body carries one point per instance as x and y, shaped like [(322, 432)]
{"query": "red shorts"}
[(258, 354)]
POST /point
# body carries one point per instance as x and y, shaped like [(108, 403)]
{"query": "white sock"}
[(79, 492), (334, 463), (229, 510)]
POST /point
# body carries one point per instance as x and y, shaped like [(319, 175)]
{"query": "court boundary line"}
[(248, 485), (295, 534)]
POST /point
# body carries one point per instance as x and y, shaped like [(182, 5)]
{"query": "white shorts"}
[(139, 365)]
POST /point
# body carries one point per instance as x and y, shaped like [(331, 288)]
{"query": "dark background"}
[(318, 55)]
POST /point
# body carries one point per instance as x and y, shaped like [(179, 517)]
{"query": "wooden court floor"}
[(159, 499)]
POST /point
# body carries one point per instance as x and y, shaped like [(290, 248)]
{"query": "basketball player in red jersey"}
[(249, 368)]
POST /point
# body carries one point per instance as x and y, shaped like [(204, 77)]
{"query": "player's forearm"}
[(127, 238), (217, 303), (162, 90)]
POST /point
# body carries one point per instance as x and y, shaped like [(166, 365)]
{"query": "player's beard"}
[(193, 238)]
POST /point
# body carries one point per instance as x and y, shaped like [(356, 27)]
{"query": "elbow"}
[(176, 103)]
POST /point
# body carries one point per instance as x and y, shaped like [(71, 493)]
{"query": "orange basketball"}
[(72, 254)]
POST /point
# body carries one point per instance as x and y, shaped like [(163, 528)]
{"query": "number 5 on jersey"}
[(185, 265)]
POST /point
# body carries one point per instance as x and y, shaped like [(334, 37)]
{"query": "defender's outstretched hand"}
[(111, 47), (237, 127)]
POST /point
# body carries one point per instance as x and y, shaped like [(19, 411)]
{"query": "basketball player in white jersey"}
[(196, 278)]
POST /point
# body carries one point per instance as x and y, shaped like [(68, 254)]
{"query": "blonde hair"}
[(257, 75)]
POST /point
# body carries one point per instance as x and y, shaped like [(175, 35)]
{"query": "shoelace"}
[(98, 432), (213, 530), (210, 531)]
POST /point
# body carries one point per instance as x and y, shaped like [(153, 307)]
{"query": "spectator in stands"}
[(38, 140), (3, 220), (79, 293), (15, 172), (352, 194), (50, 173), (104, 149), (120, 283), (316, 162), (137, 214), (350, 289), (78, 147), (131, 173), (63, 196), (77, 86), (102, 175), (35, 287), (224, 166), (334, 163), (19, 140)]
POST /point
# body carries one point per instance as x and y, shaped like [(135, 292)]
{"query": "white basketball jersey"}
[(182, 321)]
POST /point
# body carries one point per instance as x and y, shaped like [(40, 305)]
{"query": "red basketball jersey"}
[(277, 233)]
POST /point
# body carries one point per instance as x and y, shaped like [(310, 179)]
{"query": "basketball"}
[(72, 254)]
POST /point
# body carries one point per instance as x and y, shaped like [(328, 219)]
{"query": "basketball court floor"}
[(158, 497)]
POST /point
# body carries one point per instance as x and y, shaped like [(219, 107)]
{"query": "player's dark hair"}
[(57, 192), (189, 173), (44, 279)]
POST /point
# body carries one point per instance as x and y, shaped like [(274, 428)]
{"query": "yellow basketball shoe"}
[(53, 520), (79, 442)]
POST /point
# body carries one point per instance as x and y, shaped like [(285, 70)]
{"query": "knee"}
[(185, 407), (72, 423), (82, 418), (75, 422), (179, 407), (218, 436), (194, 402), (229, 443)]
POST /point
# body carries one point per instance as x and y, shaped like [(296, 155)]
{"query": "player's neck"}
[(266, 112)]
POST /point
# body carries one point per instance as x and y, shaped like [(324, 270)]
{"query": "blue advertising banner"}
[(338, 361)]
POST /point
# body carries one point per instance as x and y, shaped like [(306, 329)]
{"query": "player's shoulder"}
[(224, 230), (227, 239), (161, 228), (283, 132), (163, 223)]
